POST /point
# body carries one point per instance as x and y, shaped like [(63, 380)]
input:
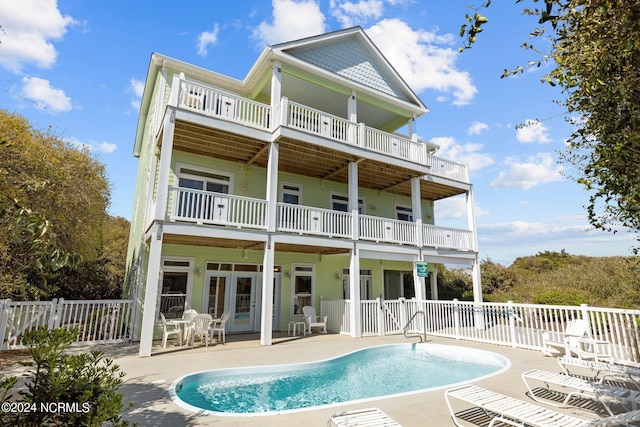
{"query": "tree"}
[(595, 46), (53, 201)]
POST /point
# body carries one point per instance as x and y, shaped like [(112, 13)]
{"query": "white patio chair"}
[(516, 412), (603, 393), (219, 326), (362, 417), (199, 327), (168, 329), (313, 321), (561, 343)]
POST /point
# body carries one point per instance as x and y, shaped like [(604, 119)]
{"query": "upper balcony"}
[(218, 104)]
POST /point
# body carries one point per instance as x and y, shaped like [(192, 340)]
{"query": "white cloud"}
[(422, 60), (477, 127), (291, 20), (469, 154), (206, 39), (40, 92), (456, 208), (533, 132), (30, 26), (137, 88), (350, 13), (93, 146), (537, 170)]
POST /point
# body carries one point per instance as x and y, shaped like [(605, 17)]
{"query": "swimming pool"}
[(368, 374)]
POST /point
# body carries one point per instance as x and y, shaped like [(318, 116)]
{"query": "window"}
[(200, 179), (398, 284), (340, 202), (175, 287), (303, 287), (366, 284), (291, 193), (404, 213), (203, 203)]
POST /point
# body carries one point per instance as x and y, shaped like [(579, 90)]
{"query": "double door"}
[(240, 294)]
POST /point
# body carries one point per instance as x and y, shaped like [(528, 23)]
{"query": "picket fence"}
[(97, 321)]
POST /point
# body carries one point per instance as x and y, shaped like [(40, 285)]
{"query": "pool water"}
[(374, 372)]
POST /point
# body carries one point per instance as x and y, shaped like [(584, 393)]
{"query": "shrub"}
[(556, 297), (70, 390)]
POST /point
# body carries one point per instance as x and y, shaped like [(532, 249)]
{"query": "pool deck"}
[(148, 379)]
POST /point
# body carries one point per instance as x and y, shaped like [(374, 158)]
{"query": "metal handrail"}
[(424, 330)]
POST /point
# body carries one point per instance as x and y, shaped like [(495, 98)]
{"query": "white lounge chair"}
[(313, 321), (170, 328), (603, 393), (560, 343), (516, 412), (370, 417), (602, 370)]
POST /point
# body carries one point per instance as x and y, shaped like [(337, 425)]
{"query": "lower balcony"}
[(208, 208)]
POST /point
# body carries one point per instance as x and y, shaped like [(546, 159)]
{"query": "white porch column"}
[(433, 279), (276, 83), (471, 220), (477, 283), (412, 128), (354, 293), (419, 283), (416, 208), (151, 291), (266, 321), (352, 108), (165, 164), (353, 200), (272, 186)]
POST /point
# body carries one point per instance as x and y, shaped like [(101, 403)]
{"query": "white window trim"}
[(176, 269), (282, 191), (399, 205), (179, 174), (361, 201), (293, 283)]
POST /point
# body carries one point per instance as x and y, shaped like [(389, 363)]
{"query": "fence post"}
[(585, 316), (456, 318), (51, 319), (403, 314), (380, 317), (4, 320), (512, 324)]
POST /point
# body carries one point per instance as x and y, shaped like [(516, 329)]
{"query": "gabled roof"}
[(351, 54)]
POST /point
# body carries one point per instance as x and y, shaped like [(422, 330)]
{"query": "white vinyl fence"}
[(515, 325), (97, 321)]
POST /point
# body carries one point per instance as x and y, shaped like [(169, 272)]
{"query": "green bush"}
[(65, 389), (556, 297)]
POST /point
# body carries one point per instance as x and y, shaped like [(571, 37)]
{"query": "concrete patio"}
[(148, 379)]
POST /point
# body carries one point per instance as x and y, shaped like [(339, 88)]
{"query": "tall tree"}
[(595, 47), (53, 201)]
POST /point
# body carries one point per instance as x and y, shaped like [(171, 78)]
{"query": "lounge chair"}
[(169, 328), (313, 321), (602, 370), (370, 417), (219, 326), (561, 343), (516, 412), (603, 393)]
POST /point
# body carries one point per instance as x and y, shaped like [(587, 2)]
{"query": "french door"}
[(243, 302)]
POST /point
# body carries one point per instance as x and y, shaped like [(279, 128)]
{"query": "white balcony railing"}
[(310, 220), (227, 106), (204, 207), (216, 103), (387, 230), (441, 237)]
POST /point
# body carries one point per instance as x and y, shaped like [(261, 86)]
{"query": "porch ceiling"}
[(213, 242), (306, 159)]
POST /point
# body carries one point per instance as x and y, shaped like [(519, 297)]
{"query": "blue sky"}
[(79, 67)]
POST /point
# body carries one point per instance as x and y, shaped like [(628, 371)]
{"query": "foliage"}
[(88, 382), (53, 201), (558, 297), (595, 46), (495, 277)]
